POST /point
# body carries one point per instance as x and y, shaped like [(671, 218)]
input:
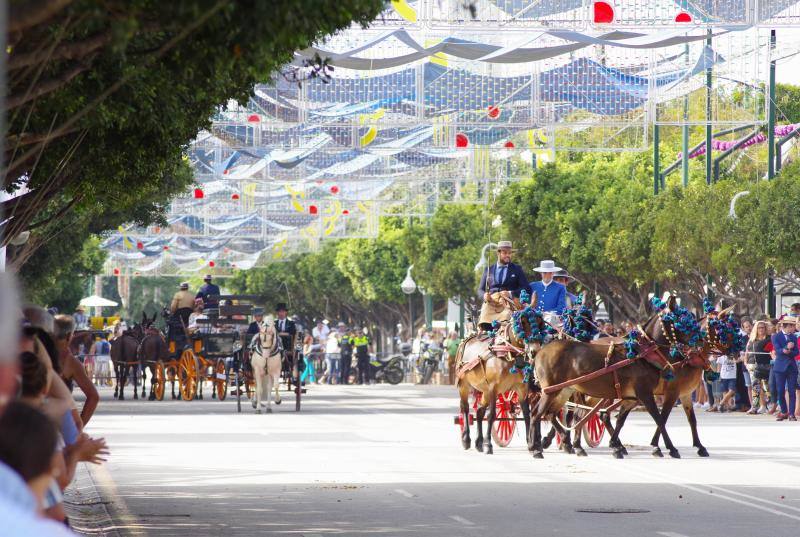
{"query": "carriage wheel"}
[(593, 430), (159, 381), (506, 409), (221, 379), (188, 374)]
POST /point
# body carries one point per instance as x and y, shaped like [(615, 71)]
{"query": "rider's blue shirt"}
[(551, 297)]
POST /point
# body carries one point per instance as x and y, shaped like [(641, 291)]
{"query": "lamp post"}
[(408, 286)]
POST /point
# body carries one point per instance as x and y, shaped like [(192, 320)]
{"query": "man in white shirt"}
[(320, 332)]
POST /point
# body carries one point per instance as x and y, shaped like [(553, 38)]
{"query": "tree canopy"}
[(103, 98)]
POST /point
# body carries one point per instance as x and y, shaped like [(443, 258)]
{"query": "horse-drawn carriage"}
[(577, 384)]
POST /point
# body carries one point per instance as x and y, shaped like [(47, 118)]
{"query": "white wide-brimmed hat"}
[(547, 265)]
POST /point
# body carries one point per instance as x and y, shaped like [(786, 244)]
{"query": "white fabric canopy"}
[(95, 301)]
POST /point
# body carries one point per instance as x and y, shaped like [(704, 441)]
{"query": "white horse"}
[(265, 357)]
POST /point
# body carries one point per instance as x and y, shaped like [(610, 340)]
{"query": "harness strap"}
[(589, 376), (617, 387)]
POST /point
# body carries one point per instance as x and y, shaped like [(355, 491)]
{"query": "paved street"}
[(387, 460)]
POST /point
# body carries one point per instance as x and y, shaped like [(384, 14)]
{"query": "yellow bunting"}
[(335, 211), (296, 194), (125, 242), (368, 137), (404, 10), (277, 248), (440, 58)]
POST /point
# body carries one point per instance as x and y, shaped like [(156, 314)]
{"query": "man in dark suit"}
[(285, 327), (785, 368), (209, 292), (500, 281)]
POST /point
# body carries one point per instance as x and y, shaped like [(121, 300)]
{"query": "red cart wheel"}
[(593, 430), (505, 422)]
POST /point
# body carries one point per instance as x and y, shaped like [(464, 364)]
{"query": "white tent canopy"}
[(95, 301)]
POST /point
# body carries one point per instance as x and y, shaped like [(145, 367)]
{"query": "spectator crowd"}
[(43, 431)]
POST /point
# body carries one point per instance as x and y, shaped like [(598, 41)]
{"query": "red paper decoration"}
[(225, 172), (313, 209), (509, 145), (334, 189), (140, 245), (683, 17), (493, 112), (462, 140), (211, 263), (166, 247), (116, 272), (233, 265), (253, 118), (137, 273), (345, 212), (199, 194), (603, 13), (234, 196)]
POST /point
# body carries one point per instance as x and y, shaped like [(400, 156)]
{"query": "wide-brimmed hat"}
[(184, 285), (341, 325), (547, 265), (504, 245), (281, 306), (80, 308), (563, 274), (788, 319), (207, 277)]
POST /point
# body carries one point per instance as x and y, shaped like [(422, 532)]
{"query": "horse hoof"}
[(580, 452), (703, 452), (479, 445), (278, 402), (617, 454), (255, 405), (674, 454), (258, 411), (121, 397), (213, 396), (466, 443), (135, 397), (657, 452), (489, 450), (537, 454), (566, 448), (269, 410), (151, 398), (623, 449), (546, 443)]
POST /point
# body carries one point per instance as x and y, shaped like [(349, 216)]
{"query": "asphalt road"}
[(387, 460)]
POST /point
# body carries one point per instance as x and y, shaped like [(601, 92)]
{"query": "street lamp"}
[(409, 285), (481, 264)]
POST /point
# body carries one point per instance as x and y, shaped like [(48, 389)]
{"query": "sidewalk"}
[(87, 510)]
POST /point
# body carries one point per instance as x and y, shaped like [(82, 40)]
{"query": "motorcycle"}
[(429, 358), (389, 369)]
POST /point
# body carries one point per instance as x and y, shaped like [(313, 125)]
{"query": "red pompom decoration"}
[(211, 263), (116, 272), (253, 118), (198, 194), (603, 13), (140, 245), (166, 247), (334, 189), (509, 145), (345, 212), (462, 140), (493, 112), (234, 196), (313, 209), (683, 17)]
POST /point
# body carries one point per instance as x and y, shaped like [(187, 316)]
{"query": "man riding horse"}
[(501, 282)]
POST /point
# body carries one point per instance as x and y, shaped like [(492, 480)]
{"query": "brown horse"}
[(124, 357), (485, 367), (561, 361), (688, 376)]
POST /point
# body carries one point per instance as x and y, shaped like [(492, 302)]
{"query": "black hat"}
[(563, 274), (281, 306)]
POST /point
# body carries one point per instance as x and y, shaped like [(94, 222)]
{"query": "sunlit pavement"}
[(388, 460)]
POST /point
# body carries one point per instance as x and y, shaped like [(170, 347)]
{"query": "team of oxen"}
[(666, 356)]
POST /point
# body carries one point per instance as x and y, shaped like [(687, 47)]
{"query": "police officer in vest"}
[(500, 282), (361, 342)]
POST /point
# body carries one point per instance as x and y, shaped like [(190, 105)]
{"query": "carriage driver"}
[(501, 280), (182, 303)]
